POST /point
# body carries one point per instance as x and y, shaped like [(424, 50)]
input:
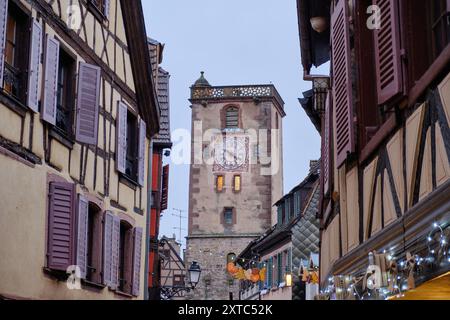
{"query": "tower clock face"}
[(231, 153)]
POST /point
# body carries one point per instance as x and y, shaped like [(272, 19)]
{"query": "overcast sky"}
[(234, 42)]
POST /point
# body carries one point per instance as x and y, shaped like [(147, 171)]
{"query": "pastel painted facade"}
[(76, 120)]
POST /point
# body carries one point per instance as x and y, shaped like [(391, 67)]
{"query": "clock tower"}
[(236, 175)]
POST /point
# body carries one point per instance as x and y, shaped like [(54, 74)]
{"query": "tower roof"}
[(202, 82)]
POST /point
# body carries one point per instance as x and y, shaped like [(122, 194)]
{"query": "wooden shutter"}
[(141, 164), (115, 253), (88, 103), (82, 242), (280, 269), (326, 148), (61, 225), (270, 273), (35, 63), (51, 79), (388, 51), (3, 19), (121, 147), (107, 248), (342, 81), (138, 232), (165, 188)]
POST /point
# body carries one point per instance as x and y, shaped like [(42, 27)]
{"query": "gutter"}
[(148, 213)]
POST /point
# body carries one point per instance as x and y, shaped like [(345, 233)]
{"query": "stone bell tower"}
[(236, 176)]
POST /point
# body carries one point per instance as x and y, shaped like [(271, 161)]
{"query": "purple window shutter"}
[(3, 15), (326, 147), (88, 103), (142, 137), (51, 78), (165, 188), (82, 242), (61, 226), (388, 52), (35, 63), (138, 232), (121, 148), (107, 248), (115, 253), (342, 82)]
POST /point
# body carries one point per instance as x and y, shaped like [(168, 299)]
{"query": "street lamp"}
[(194, 274), (194, 271)]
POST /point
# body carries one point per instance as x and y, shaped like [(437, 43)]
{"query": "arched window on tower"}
[(232, 118)]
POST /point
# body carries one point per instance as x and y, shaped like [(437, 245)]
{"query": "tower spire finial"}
[(202, 82)]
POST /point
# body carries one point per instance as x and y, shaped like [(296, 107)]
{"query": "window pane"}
[(228, 216), (219, 183), (237, 183)]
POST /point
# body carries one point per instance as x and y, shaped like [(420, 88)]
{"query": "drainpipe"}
[(149, 209), (309, 77)]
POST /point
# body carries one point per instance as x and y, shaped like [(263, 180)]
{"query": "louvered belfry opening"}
[(232, 117)]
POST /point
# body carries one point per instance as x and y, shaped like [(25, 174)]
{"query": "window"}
[(65, 94), (429, 22), (280, 268), (232, 118), (297, 203), (131, 144), (94, 244), (178, 280), (440, 25), (276, 274), (125, 258), (16, 53), (287, 261), (132, 147), (237, 183), (219, 183), (287, 212), (228, 216)]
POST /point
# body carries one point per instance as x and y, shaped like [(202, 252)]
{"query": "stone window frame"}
[(223, 116), (234, 218)]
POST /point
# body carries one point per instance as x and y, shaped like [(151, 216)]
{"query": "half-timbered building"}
[(384, 121), (172, 269), (78, 108)]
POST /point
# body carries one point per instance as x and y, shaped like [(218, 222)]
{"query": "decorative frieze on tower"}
[(235, 177)]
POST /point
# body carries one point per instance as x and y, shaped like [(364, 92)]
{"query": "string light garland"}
[(399, 275)]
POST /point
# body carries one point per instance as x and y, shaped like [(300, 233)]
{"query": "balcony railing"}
[(11, 79), (236, 92)]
